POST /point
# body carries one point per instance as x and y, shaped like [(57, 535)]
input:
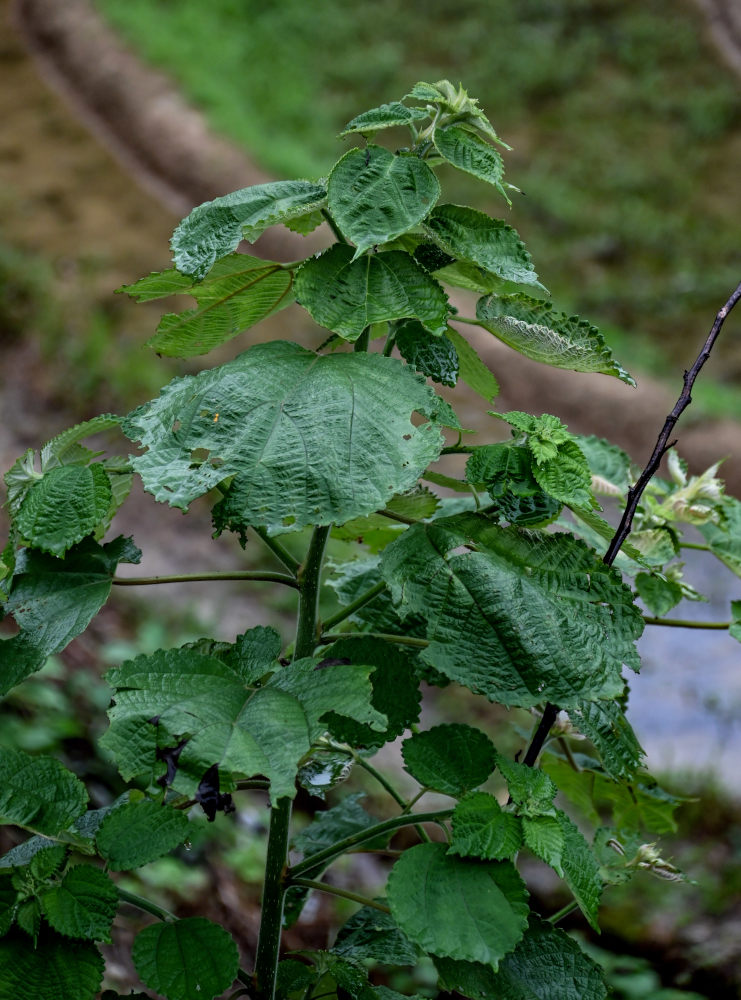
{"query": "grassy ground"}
[(626, 128)]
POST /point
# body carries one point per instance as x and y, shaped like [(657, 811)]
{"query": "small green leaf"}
[(519, 616), (659, 593), (372, 934), (384, 116), (457, 907), (489, 243), (238, 292), (452, 758), (254, 653), (346, 295), (22, 854), (38, 793), (531, 790), (277, 406), (56, 967), (481, 829), (374, 196), (342, 820), (581, 870), (217, 227), (566, 477), (507, 473), (293, 976), (396, 693), (64, 506), (8, 897), (535, 329), (609, 465), (28, 918), (735, 629), (724, 538), (544, 836), (435, 357), (605, 724), (83, 905), (455, 100), (471, 369), (136, 833), (186, 959), (466, 151), (657, 546)]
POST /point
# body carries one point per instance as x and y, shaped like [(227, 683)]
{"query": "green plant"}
[(476, 589)]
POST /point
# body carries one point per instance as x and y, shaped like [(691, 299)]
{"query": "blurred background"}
[(625, 122)]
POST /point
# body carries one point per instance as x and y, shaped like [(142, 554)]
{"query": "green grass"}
[(626, 128)]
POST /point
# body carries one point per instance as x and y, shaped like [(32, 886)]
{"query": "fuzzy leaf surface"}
[(83, 905), (467, 151), (217, 227), (188, 958), (238, 292), (38, 793), (246, 731), (374, 196), (456, 907), (580, 869), (605, 725), (346, 295), (482, 829), (518, 616), (309, 439), (53, 600), (609, 465), (56, 967), (451, 758), (64, 506), (435, 357), (531, 790), (544, 836), (136, 833), (535, 329), (546, 965), (467, 234), (372, 934), (385, 116)]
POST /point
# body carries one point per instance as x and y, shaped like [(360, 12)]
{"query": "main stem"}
[(274, 889)]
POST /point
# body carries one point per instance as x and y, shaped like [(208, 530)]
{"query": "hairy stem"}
[(328, 854), (308, 576), (257, 575), (333, 890)]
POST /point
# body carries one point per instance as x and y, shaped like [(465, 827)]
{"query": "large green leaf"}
[(226, 722), (384, 116), (186, 959), (451, 758), (374, 195), (489, 243), (518, 616), (346, 295), (546, 965), (309, 439), (38, 793), (239, 292), (83, 905), (217, 227), (466, 151), (136, 833), (536, 330), (55, 967), (457, 907), (53, 600), (64, 506)]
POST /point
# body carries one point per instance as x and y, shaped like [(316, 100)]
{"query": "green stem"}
[(278, 551), (563, 912), (381, 779), (356, 605), (389, 345), (398, 517), (142, 581), (333, 890), (328, 854), (695, 545), (144, 904), (333, 226), (308, 576), (401, 640), (458, 449), (465, 319), (686, 623), (361, 344)]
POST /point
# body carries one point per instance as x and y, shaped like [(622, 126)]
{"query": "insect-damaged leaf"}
[(521, 617), (309, 439)]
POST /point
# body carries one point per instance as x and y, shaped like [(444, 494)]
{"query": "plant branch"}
[(328, 854), (662, 443), (282, 554), (541, 735), (356, 605), (398, 517), (333, 226), (563, 912), (401, 640), (381, 779), (686, 623), (310, 883), (255, 575)]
